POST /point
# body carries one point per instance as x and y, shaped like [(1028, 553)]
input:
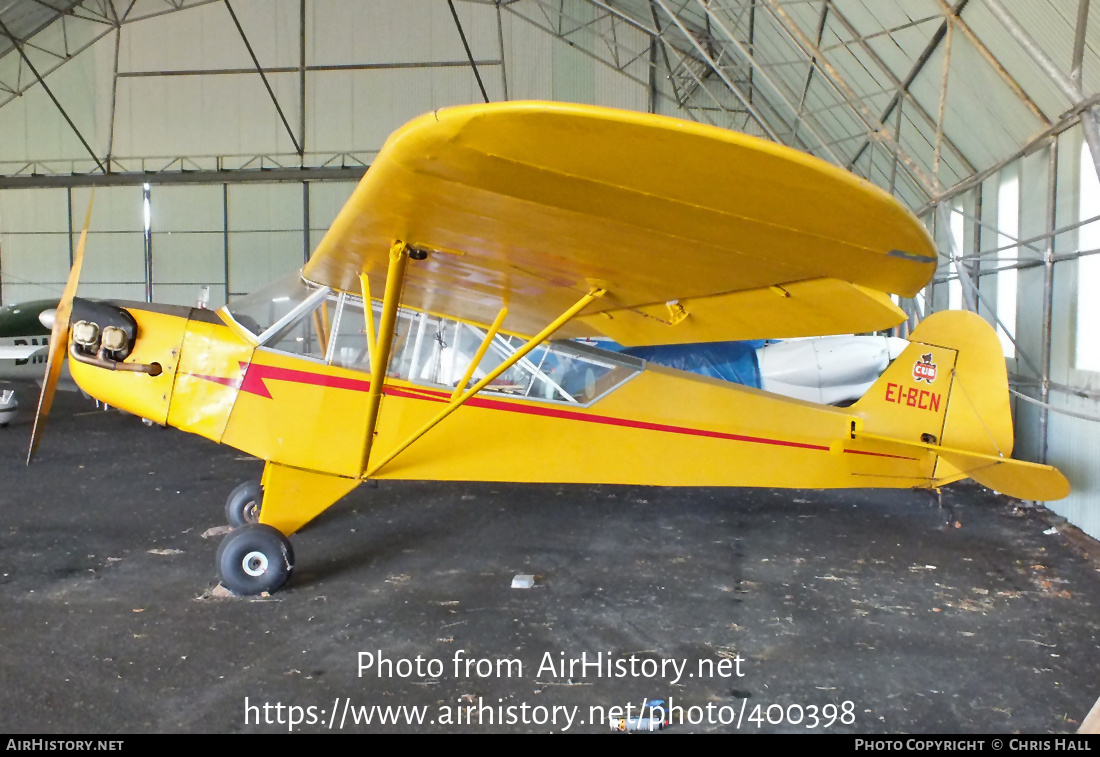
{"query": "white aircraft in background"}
[(828, 370), (24, 341)]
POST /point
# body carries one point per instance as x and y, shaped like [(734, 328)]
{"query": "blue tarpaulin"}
[(730, 361)]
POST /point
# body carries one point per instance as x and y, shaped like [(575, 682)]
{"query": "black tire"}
[(255, 558), (244, 503)]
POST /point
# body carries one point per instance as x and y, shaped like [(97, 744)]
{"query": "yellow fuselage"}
[(662, 427)]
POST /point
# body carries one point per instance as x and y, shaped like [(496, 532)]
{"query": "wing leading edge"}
[(695, 232)]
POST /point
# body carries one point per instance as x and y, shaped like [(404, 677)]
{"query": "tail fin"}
[(948, 393)]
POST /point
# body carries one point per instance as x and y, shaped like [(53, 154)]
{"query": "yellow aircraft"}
[(490, 229)]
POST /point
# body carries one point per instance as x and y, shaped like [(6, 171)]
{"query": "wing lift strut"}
[(381, 350)]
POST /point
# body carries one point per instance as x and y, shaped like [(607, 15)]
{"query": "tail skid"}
[(947, 393)]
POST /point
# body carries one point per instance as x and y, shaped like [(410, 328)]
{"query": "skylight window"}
[(1008, 221), (1088, 268)]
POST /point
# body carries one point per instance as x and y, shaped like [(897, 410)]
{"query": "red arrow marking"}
[(256, 375)]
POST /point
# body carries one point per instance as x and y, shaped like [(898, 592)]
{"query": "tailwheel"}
[(243, 505), (254, 559)]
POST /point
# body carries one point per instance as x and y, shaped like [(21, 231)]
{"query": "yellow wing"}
[(696, 233)]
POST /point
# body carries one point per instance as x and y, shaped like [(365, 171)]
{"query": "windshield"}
[(301, 319), (258, 311)]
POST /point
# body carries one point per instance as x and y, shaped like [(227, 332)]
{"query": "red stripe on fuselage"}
[(256, 375)]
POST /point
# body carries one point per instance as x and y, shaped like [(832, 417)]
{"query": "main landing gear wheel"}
[(243, 504), (255, 558)]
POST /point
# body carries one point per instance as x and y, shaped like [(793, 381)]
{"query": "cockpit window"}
[(439, 351), (294, 317)]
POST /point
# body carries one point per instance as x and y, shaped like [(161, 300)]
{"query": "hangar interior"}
[(224, 137)]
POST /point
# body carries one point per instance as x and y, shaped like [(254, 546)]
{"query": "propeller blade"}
[(59, 338)]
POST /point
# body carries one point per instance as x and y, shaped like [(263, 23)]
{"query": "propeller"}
[(59, 338)]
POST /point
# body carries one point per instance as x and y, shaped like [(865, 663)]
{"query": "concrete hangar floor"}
[(855, 612)]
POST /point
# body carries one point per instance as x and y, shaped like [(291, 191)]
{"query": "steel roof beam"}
[(469, 54), (137, 178), (874, 126), (898, 84), (748, 56), (1069, 87), (1079, 42), (721, 74), (49, 92), (914, 71), (813, 64), (996, 64), (263, 76), (1065, 121)]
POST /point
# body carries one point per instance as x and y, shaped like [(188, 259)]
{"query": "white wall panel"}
[(271, 27), (397, 31), (1068, 201), (33, 266), (527, 49), (1032, 79), (24, 292), (574, 74), (34, 210), (204, 115), (130, 291), (223, 114), (615, 90), (188, 294), (153, 44), (195, 259), (34, 243), (34, 129), (188, 239), (975, 93), (265, 207), (115, 251), (359, 109), (1034, 189), (1075, 449), (186, 208), (113, 209), (326, 198), (266, 234), (258, 258), (113, 258)]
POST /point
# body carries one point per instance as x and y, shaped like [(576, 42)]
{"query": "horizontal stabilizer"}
[(1015, 478)]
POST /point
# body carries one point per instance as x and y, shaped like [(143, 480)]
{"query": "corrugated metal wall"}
[(34, 243), (1072, 444)]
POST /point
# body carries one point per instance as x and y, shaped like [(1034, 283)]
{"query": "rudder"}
[(948, 393)]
